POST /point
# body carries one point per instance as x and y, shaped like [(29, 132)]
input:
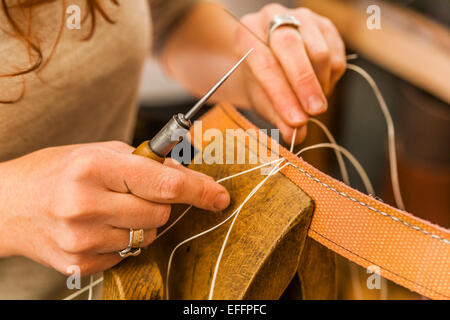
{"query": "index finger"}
[(269, 74), (288, 46), (155, 182)]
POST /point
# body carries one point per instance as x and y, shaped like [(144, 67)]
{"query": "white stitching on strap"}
[(369, 207)]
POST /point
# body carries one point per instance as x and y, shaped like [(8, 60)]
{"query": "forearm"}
[(201, 49)]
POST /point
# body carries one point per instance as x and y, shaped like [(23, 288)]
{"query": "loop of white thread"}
[(222, 249), (340, 160), (362, 173), (217, 225), (391, 134), (173, 223), (352, 56)]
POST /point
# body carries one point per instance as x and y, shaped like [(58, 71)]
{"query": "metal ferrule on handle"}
[(172, 133)]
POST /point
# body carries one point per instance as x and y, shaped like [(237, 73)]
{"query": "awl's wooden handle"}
[(145, 151)]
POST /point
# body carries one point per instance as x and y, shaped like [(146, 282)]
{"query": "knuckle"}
[(327, 23), (82, 163), (171, 186), (305, 11), (339, 66), (76, 206), (205, 194), (267, 63), (321, 55)]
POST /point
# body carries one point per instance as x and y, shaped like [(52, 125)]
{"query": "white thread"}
[(362, 173), (222, 249), (294, 135), (173, 223), (249, 170), (76, 294), (91, 280), (216, 226), (340, 160), (371, 208), (391, 134)]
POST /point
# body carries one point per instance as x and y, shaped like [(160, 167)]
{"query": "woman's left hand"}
[(288, 80)]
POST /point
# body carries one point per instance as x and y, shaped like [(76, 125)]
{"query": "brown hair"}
[(24, 33)]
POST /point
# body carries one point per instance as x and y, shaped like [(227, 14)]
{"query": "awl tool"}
[(179, 125)]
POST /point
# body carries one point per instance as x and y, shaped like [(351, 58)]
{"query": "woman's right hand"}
[(74, 205)]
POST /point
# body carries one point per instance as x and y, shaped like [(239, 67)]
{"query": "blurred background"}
[(409, 58)]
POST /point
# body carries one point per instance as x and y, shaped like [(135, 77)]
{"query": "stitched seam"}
[(416, 228), (232, 117), (387, 270)]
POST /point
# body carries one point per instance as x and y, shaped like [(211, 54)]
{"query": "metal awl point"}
[(178, 126), (191, 113)]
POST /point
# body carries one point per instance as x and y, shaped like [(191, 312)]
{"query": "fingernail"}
[(222, 201), (315, 105), (296, 116)]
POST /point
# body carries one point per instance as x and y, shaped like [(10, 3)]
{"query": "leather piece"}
[(409, 251)]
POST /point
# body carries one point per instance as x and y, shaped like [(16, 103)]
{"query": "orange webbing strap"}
[(409, 251)]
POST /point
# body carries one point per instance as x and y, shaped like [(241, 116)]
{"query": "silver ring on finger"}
[(134, 245), (280, 20)]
